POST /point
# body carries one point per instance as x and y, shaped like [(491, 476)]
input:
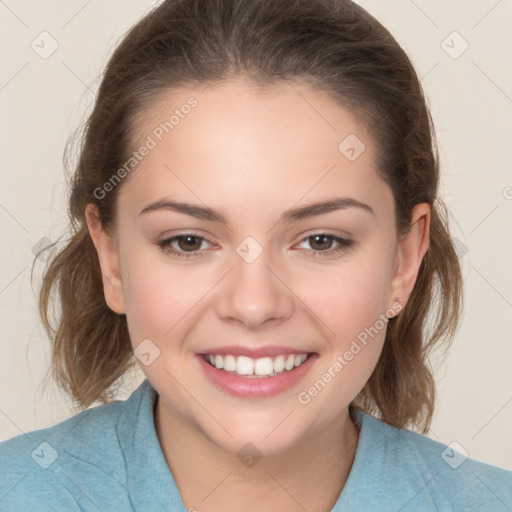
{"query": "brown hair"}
[(333, 45)]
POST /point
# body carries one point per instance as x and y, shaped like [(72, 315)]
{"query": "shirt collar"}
[(149, 480)]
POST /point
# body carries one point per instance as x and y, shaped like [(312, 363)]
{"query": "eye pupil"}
[(191, 247), (315, 238)]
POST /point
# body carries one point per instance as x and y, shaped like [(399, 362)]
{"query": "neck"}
[(309, 476)]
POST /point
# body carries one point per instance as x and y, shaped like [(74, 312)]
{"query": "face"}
[(250, 272)]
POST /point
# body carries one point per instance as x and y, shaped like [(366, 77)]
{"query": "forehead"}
[(235, 140)]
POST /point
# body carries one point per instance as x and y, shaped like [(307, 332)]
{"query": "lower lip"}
[(262, 387)]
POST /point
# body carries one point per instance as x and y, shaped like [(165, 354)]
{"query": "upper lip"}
[(255, 352)]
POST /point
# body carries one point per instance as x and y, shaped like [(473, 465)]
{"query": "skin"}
[(252, 154)]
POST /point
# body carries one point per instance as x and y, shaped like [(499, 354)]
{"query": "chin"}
[(266, 437)]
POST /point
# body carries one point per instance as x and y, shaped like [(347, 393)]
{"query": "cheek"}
[(352, 312), (351, 302), (154, 304), (351, 296), (159, 298)]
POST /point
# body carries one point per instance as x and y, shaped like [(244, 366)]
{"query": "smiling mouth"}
[(256, 368)]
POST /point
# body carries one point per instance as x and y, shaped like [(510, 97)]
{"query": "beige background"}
[(43, 99)]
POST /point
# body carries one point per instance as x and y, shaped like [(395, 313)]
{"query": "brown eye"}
[(321, 242), (325, 244), (183, 246), (189, 243)]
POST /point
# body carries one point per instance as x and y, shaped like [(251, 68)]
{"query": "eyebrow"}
[(291, 215)]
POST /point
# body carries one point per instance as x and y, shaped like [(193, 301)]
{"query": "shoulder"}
[(85, 433), (443, 472), (62, 462)]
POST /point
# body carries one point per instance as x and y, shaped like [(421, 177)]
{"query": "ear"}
[(410, 252), (108, 255)]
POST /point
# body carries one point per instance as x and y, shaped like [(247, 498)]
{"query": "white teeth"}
[(262, 367), (229, 363), (244, 365), (219, 362), (279, 364), (290, 362)]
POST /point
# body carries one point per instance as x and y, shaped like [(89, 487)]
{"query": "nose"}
[(254, 293)]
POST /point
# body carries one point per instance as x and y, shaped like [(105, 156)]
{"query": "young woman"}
[(256, 225)]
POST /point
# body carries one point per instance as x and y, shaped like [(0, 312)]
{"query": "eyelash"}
[(165, 245)]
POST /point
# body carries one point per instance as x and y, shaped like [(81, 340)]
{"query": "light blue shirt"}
[(108, 458)]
